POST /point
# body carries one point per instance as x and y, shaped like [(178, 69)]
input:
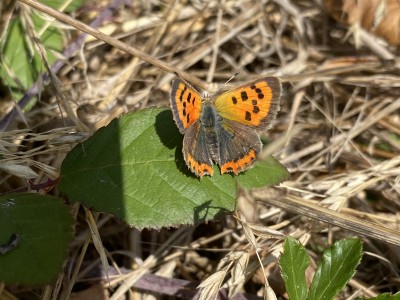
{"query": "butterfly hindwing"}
[(196, 151), (185, 104), (239, 145), (254, 104)]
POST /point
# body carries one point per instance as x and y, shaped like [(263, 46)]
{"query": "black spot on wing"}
[(244, 96), (247, 116), (182, 93)]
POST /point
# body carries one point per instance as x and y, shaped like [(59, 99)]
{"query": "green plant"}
[(335, 269)]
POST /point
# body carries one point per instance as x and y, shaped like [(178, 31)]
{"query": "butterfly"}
[(222, 128)]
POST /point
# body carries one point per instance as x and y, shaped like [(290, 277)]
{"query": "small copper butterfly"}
[(222, 128)]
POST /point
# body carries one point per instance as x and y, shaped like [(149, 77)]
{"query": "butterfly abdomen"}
[(210, 120)]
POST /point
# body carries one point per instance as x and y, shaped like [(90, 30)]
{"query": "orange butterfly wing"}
[(185, 104), (254, 104), (186, 110)]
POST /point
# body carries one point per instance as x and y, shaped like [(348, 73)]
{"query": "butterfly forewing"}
[(254, 104), (185, 104)]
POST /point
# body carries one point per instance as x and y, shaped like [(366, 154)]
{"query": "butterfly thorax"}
[(209, 117)]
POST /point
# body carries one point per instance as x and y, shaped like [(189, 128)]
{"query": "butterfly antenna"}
[(233, 76)]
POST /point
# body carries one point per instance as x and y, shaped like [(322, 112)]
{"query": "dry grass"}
[(338, 133)]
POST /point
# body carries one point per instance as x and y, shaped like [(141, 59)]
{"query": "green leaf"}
[(265, 172), (134, 169), (16, 58), (40, 229), (22, 63), (293, 263), (337, 266)]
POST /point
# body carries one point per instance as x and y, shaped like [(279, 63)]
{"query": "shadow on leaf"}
[(170, 137), (200, 212)]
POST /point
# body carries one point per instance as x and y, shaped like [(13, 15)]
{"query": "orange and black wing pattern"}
[(239, 146), (196, 151), (185, 104), (254, 104)]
